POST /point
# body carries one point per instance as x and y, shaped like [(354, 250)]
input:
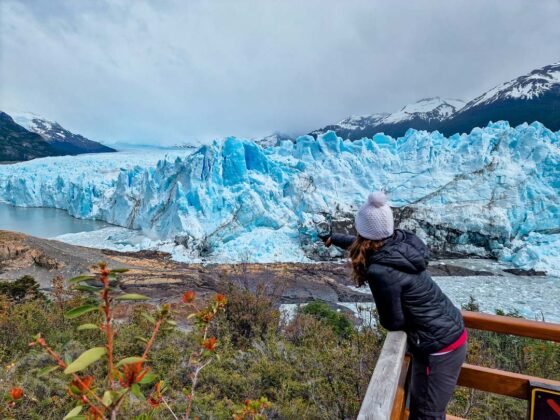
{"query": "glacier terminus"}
[(492, 193)]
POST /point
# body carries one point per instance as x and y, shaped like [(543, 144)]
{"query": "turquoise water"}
[(44, 222)]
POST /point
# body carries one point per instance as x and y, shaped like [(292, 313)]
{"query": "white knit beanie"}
[(374, 220)]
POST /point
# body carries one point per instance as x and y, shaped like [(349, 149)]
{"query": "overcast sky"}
[(170, 71)]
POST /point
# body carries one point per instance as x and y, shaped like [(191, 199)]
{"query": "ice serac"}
[(494, 192)]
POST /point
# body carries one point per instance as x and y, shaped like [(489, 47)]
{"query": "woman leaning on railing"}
[(393, 263)]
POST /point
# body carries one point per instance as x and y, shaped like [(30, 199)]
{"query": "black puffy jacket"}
[(406, 296)]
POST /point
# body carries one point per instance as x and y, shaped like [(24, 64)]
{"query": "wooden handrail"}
[(382, 389), (499, 382), (508, 325), (386, 393)]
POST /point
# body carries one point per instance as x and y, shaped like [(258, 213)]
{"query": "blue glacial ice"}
[(496, 190)]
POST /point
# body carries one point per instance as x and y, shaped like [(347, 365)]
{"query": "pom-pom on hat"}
[(374, 219)]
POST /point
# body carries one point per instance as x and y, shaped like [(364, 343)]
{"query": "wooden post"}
[(383, 385), (399, 405)]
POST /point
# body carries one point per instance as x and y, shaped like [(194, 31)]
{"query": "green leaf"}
[(86, 358), (87, 288), (142, 339), (46, 370), (88, 327), (119, 270), (137, 392), (132, 296), (73, 413), (128, 360), (171, 322), (107, 398), (148, 379), (119, 393), (149, 318), (74, 389), (80, 310), (81, 278)]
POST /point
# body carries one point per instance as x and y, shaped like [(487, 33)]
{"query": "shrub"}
[(303, 368), (24, 288), (103, 393), (339, 322), (251, 312)]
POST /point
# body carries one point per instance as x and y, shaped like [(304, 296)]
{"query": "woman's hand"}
[(326, 240)]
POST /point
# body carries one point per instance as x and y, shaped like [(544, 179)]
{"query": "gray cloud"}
[(169, 71)]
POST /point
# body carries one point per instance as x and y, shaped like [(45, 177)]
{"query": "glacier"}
[(494, 192)]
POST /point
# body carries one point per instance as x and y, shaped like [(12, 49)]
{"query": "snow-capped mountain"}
[(531, 97), (17, 143), (427, 109), (425, 114), (57, 136), (527, 87), (359, 121), (352, 124)]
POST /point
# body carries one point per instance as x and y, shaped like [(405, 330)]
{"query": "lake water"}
[(44, 222)]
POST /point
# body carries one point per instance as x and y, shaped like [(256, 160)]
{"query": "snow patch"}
[(430, 108)]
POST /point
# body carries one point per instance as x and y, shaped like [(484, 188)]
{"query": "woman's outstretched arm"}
[(342, 241)]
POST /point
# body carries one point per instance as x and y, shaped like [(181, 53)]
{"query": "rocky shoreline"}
[(156, 275), (162, 279)]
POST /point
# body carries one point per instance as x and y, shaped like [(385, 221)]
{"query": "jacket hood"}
[(404, 251)]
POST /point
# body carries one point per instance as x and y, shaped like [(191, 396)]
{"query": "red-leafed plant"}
[(252, 410), (14, 396), (102, 398)]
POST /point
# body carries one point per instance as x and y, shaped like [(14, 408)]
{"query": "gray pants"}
[(433, 381)]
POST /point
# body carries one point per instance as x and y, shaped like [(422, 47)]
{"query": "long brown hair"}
[(360, 251)]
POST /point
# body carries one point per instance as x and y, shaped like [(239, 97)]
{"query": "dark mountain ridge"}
[(58, 137), (18, 144)]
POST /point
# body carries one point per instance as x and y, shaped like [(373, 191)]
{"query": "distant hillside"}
[(18, 144), (58, 137)]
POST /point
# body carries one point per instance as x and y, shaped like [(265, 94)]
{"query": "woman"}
[(393, 263)]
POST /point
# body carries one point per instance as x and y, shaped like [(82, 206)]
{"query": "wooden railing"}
[(384, 383), (387, 391)]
